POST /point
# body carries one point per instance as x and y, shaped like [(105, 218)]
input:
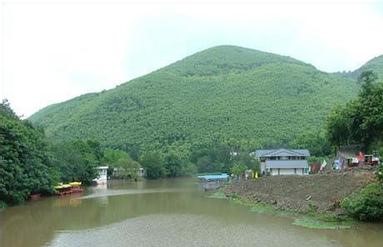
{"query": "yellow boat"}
[(65, 189), (75, 183), (69, 185)]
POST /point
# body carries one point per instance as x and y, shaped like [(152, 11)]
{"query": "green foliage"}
[(214, 157), (238, 169), (361, 120), (112, 156), (127, 168), (338, 126), (174, 162), (375, 64), (77, 160), (317, 159), (177, 162), (121, 162), (315, 222), (367, 204), (247, 160), (379, 173), (25, 165), (317, 142), (153, 163), (219, 100)]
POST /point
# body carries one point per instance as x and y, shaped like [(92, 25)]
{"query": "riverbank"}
[(312, 220), (313, 200)]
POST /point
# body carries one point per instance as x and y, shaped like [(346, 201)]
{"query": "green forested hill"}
[(375, 64), (234, 95)]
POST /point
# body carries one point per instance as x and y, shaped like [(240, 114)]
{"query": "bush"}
[(153, 163), (379, 174), (238, 169), (367, 204)]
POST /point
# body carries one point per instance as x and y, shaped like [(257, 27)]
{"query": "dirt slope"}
[(322, 192)]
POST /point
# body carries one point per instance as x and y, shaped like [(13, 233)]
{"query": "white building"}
[(283, 161), (141, 172), (102, 177)]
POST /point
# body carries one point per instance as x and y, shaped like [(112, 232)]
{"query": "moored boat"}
[(213, 181), (70, 188)]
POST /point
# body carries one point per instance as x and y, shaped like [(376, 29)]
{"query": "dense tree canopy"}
[(25, 166), (375, 64), (361, 120), (77, 160), (242, 98), (120, 164), (30, 164), (153, 162)]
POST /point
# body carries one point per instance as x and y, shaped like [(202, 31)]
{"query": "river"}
[(172, 212)]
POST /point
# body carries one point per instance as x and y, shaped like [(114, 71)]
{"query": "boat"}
[(70, 188), (213, 181)]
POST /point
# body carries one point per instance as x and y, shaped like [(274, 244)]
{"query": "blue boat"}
[(213, 181), (215, 177)]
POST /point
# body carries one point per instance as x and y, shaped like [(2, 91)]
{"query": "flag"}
[(324, 164)]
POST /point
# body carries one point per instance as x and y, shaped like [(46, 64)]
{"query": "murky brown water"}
[(162, 213)]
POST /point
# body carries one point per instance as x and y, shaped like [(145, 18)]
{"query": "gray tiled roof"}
[(287, 164), (281, 152)]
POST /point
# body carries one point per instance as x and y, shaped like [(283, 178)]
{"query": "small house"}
[(102, 177), (283, 161), (141, 172)]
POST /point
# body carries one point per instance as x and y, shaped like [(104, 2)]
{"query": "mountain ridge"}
[(225, 93), (375, 64)]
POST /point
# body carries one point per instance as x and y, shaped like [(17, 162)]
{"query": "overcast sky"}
[(52, 50)]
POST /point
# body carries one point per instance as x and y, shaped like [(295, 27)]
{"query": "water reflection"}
[(175, 209)]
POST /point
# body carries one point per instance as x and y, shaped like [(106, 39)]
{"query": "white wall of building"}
[(287, 171), (102, 175)]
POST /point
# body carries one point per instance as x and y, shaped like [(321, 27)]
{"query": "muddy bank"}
[(320, 192)]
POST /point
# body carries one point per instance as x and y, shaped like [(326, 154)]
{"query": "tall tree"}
[(361, 120), (77, 160), (153, 162)]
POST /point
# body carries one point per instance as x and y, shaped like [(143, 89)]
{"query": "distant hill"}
[(375, 64), (225, 93)]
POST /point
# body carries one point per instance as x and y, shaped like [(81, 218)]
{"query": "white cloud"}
[(54, 51)]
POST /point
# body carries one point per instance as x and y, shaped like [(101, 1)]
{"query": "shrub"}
[(379, 173), (238, 169), (367, 204)]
